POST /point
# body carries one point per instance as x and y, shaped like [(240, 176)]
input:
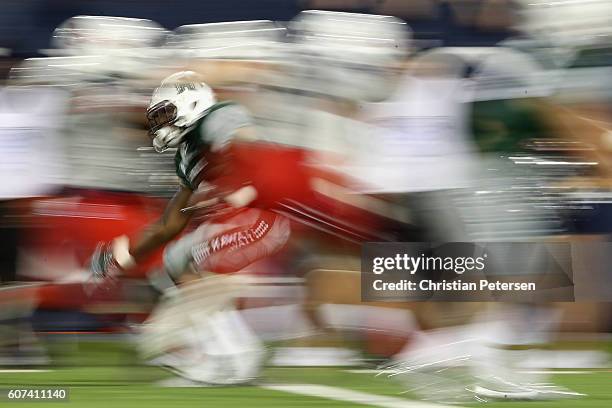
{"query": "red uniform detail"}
[(234, 242)]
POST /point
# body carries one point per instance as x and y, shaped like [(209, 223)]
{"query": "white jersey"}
[(30, 145), (102, 147), (103, 137), (418, 139)]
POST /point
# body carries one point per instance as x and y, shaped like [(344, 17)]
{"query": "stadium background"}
[(25, 29)]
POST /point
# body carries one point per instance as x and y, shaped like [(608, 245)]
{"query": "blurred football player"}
[(195, 327), (101, 66), (54, 110)]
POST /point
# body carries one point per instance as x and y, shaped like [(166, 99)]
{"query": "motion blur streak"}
[(345, 122)]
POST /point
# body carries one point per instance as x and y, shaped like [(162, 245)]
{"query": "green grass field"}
[(106, 376)]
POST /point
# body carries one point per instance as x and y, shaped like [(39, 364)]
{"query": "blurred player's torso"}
[(100, 123), (197, 158)]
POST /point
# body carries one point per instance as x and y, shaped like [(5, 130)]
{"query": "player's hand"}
[(104, 265)]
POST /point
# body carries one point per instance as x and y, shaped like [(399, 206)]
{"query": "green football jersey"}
[(504, 125), (196, 156)]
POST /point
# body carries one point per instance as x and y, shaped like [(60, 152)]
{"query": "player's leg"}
[(196, 330)]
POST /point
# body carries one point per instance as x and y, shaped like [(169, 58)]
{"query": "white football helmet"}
[(125, 47), (104, 35), (238, 40), (178, 103), (348, 55), (567, 24)]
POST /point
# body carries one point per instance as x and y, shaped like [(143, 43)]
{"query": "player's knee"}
[(176, 261)]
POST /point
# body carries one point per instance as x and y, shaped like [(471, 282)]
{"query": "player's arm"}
[(225, 130), (244, 195), (172, 222), (113, 257)]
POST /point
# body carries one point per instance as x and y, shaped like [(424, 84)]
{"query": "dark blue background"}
[(26, 25)]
